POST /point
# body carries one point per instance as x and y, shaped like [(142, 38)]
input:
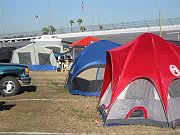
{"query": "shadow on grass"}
[(31, 88), (4, 106)]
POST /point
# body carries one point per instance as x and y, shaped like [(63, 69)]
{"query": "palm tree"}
[(49, 29), (82, 28), (45, 30), (80, 21), (71, 23)]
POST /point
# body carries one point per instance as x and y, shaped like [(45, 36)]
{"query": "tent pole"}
[(34, 55)]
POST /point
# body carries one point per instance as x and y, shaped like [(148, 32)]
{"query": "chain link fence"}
[(113, 26)]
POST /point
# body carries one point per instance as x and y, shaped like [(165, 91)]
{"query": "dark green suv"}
[(12, 76)]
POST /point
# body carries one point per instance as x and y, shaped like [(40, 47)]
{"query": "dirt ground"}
[(47, 106)]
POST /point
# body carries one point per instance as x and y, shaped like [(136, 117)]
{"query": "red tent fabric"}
[(84, 42), (147, 56)]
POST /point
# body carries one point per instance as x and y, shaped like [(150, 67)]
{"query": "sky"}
[(19, 15)]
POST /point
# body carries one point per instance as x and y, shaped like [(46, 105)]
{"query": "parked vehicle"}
[(12, 76)]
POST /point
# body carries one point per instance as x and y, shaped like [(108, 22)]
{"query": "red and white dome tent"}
[(142, 83)]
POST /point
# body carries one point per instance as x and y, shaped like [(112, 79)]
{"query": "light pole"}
[(160, 20), (92, 17), (49, 18), (36, 17)]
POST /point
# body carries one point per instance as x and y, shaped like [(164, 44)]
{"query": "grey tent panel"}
[(25, 58), (174, 89), (174, 103), (100, 74), (86, 85), (44, 58), (6, 53), (139, 93), (140, 89)]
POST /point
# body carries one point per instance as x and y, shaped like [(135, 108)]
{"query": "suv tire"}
[(9, 86)]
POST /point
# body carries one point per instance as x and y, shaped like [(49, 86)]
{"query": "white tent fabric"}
[(35, 56)]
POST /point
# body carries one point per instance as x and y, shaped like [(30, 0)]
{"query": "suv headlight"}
[(26, 71)]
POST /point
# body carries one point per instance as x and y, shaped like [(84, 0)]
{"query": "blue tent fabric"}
[(92, 55), (42, 67), (78, 92)]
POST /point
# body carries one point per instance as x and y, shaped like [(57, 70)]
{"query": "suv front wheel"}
[(9, 86)]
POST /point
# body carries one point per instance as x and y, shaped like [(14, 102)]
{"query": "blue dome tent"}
[(87, 72)]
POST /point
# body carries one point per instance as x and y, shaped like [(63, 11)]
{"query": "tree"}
[(45, 30), (71, 23), (51, 29), (101, 27), (82, 28), (48, 30), (80, 21)]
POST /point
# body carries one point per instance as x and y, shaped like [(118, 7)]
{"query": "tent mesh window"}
[(137, 113), (174, 89), (140, 89), (25, 58), (86, 81), (7, 53), (138, 92), (173, 103), (44, 58)]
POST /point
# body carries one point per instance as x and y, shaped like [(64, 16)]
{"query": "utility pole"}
[(49, 17), (2, 20)]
